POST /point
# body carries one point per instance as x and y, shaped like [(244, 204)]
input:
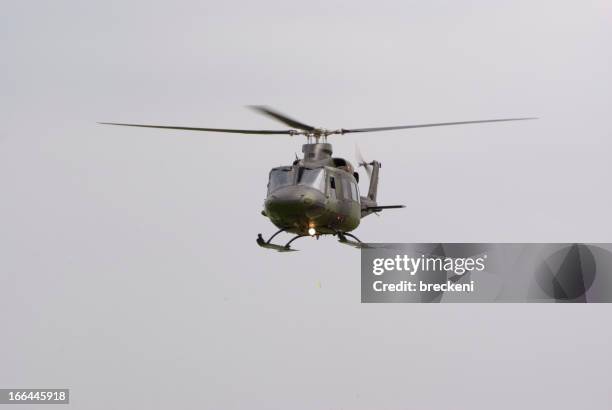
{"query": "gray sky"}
[(122, 278)]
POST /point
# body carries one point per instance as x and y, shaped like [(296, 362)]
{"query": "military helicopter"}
[(317, 194)]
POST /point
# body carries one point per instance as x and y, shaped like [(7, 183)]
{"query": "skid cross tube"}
[(357, 243), (293, 239), (343, 235), (272, 237)]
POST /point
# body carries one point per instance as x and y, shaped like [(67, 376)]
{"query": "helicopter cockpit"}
[(280, 177), (308, 177)]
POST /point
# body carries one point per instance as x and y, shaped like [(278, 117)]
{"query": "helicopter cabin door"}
[(349, 191), (343, 195)]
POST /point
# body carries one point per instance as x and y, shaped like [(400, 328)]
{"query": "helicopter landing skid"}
[(280, 248), (356, 243)]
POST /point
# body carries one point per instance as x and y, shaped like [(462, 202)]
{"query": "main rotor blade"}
[(438, 124), (281, 117), (233, 131)]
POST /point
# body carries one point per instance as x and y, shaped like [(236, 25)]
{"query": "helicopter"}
[(317, 194)]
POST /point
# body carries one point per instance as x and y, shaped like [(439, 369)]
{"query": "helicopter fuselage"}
[(313, 199)]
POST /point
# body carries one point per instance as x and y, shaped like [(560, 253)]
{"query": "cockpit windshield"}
[(280, 177), (314, 178)]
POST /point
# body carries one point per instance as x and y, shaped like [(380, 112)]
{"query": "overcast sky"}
[(129, 269)]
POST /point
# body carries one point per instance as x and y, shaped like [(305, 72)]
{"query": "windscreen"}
[(314, 178), (279, 178)]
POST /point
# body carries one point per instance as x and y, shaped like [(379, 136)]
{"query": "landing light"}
[(312, 231)]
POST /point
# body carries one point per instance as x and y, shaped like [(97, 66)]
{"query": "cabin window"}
[(346, 190), (279, 178), (354, 192), (332, 187)]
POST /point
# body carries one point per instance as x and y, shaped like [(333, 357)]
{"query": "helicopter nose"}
[(295, 203)]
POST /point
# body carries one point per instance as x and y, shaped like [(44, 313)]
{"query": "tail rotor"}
[(362, 162)]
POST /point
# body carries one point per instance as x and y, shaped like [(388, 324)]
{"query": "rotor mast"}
[(318, 135)]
